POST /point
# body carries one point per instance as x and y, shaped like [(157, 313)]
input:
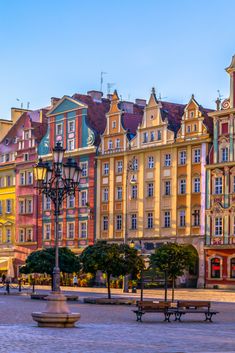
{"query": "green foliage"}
[(43, 261), (173, 258), (112, 259)]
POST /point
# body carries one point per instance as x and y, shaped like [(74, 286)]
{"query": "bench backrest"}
[(147, 305), (193, 304)]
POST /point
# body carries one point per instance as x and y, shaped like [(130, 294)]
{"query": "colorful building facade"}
[(164, 194), (74, 122), (220, 194)]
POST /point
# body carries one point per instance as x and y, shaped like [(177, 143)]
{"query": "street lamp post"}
[(57, 183), (130, 168)]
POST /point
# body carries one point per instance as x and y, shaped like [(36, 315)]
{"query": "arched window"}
[(232, 267), (215, 267)]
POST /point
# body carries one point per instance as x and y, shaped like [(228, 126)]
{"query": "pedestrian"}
[(75, 281), (8, 281), (3, 278)]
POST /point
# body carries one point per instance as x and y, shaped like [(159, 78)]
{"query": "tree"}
[(43, 261), (112, 259), (172, 259)]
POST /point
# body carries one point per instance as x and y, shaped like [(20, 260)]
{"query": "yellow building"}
[(162, 196)]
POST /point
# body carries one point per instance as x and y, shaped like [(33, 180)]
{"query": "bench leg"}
[(139, 316), (208, 317), (167, 317), (178, 316)]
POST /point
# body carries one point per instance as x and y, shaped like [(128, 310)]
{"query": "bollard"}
[(19, 285), (8, 288)]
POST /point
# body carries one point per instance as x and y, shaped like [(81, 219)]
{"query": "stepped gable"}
[(173, 112), (96, 118)]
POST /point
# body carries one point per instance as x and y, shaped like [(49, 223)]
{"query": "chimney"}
[(140, 102), (95, 95), (127, 106), (54, 100)]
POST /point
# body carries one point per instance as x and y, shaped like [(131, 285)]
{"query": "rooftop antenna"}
[(160, 98), (21, 105), (218, 100), (109, 86), (102, 79), (28, 103)]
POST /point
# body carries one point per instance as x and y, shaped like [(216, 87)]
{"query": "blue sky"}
[(58, 47)]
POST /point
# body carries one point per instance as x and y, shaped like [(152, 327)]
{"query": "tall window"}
[(105, 168), (71, 201), (21, 235), (119, 167), (47, 203), (8, 235), (182, 157), (134, 191), (119, 193), (167, 160), (58, 129), (117, 143), (84, 167), (197, 185), (182, 186), (196, 218), (29, 178), (150, 162), (22, 178), (21, 206), (83, 229), (70, 230), (224, 154), (105, 222), (215, 267), (182, 218), (29, 234), (83, 198), (71, 144), (167, 219), (29, 206), (152, 136), (150, 220), (60, 231), (218, 226), (8, 180), (159, 135), (145, 137), (150, 190), (218, 185), (197, 155), (167, 187), (71, 126), (47, 232), (232, 268), (134, 221), (105, 194), (119, 222), (110, 144), (8, 206), (135, 164)]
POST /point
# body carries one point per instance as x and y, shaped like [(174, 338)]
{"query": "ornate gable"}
[(66, 104)]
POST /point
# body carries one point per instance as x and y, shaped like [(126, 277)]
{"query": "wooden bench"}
[(193, 307), (153, 307)]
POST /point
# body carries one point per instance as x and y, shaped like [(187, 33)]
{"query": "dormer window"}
[(26, 135), (195, 127), (191, 114), (110, 145), (114, 124), (117, 143), (6, 141), (188, 128)]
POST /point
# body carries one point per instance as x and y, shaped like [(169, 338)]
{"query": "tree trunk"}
[(165, 285), (173, 289), (108, 284)]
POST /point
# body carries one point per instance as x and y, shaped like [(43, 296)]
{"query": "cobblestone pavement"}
[(113, 329)]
